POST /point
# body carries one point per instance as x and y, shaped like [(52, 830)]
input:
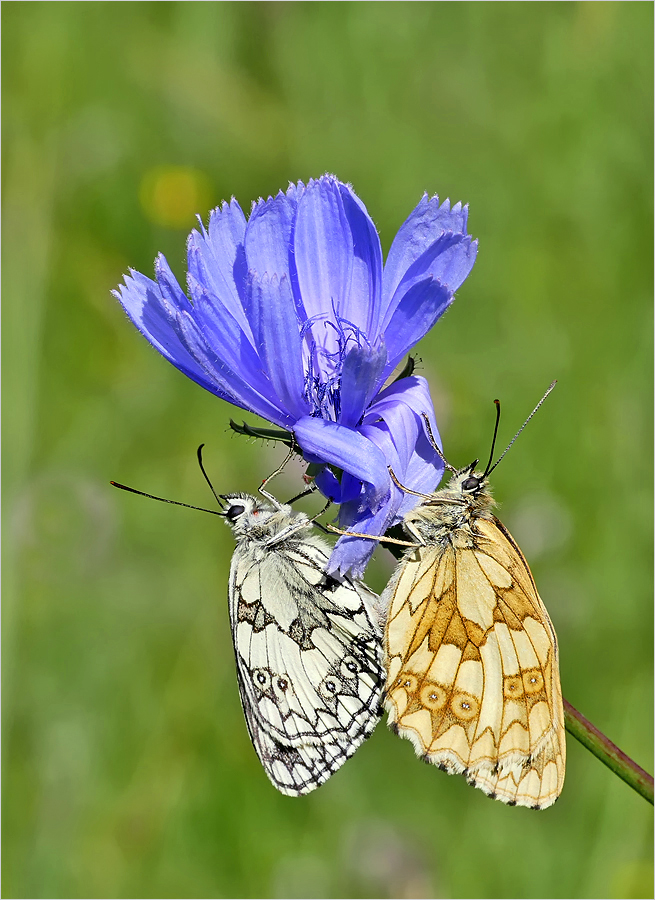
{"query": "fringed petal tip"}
[(293, 193), (459, 209)]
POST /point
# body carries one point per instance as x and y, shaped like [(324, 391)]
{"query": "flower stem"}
[(607, 752)]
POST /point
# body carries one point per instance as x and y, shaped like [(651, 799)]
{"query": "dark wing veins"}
[(313, 601)]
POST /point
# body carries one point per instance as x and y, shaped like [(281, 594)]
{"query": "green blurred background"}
[(128, 769)]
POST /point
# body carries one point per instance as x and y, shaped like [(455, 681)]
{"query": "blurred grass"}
[(128, 770)]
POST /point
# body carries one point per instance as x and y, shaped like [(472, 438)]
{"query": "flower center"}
[(326, 343)]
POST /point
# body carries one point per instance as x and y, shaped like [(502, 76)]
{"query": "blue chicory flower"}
[(293, 317)]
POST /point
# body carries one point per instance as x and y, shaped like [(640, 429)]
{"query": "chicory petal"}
[(417, 312), (142, 300), (216, 259), (229, 382), (360, 379), (268, 235), (424, 225), (363, 300), (277, 335), (351, 555), (328, 484), (346, 449), (323, 252)]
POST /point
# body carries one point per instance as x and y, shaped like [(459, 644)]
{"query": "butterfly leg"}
[(296, 526), (404, 489), (413, 531), (436, 446), (308, 490), (319, 514), (374, 537), (262, 488)]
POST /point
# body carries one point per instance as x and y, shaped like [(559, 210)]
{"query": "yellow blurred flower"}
[(171, 196)]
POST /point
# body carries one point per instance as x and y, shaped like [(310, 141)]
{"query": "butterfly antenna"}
[(435, 446), (124, 487), (493, 442), (521, 428), (202, 469)]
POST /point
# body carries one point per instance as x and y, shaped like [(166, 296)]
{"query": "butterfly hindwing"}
[(308, 654), (473, 678)]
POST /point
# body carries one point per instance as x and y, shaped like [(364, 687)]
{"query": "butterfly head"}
[(471, 487), (468, 481), (243, 512)]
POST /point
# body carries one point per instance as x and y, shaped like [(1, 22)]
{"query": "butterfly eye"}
[(234, 512), (471, 483)]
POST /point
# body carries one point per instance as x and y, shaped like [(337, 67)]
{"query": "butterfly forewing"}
[(308, 651), (473, 676)]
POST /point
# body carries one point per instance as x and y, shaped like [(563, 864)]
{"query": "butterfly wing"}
[(309, 662), (473, 673)]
